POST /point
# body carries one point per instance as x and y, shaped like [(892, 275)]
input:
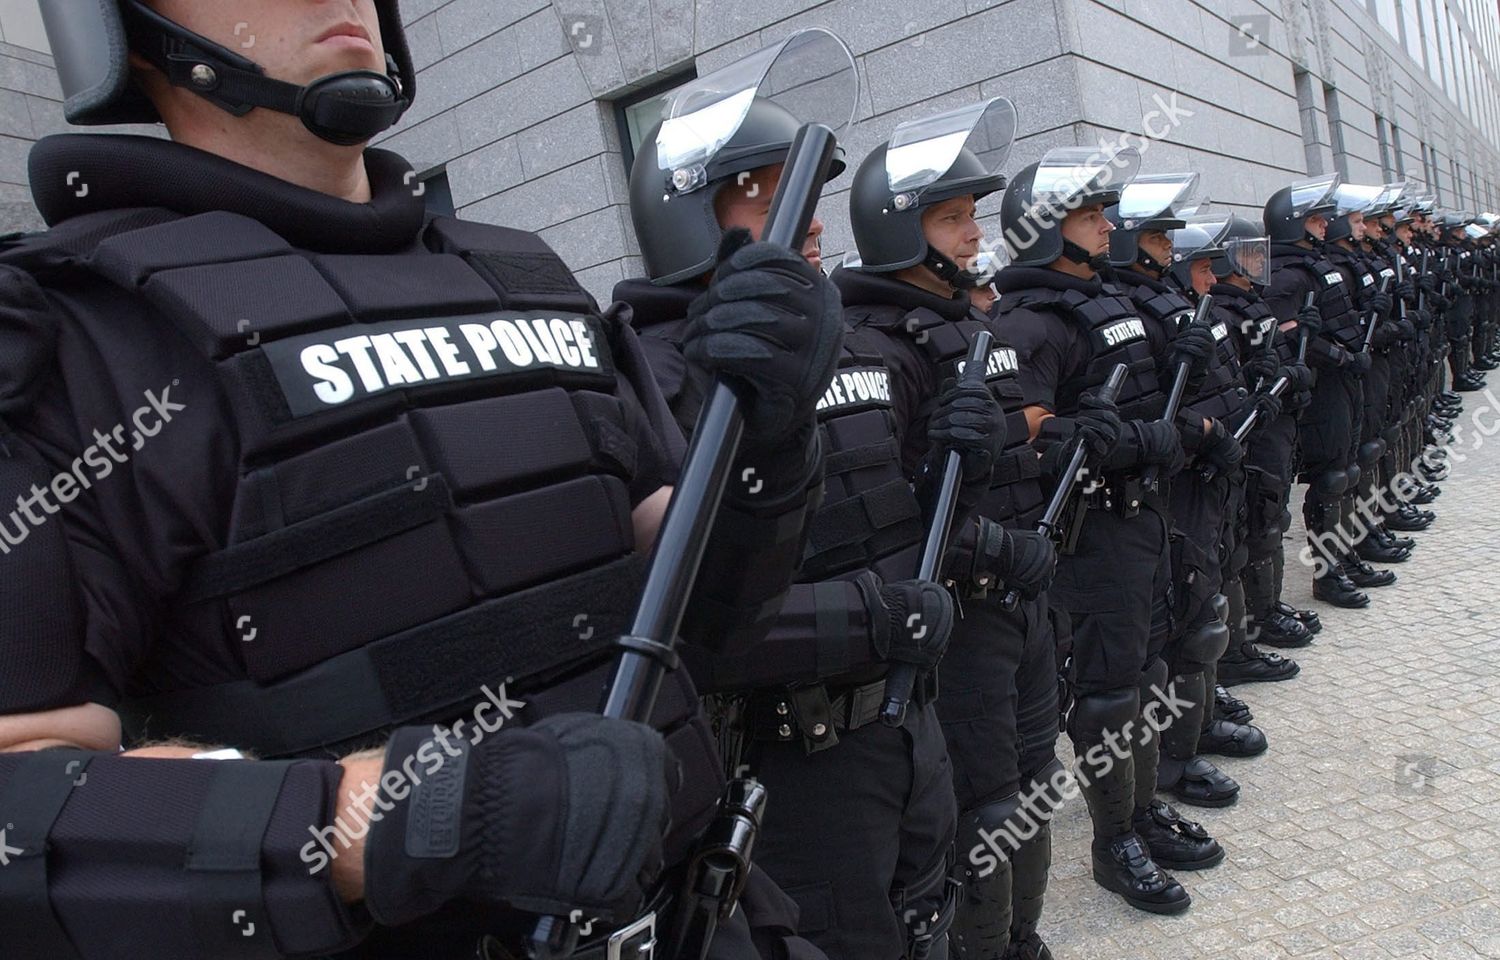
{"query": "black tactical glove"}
[(917, 622), (968, 420), (1381, 303), (1261, 369), (1429, 283), (1300, 400), (567, 814), (1096, 425), (1269, 407), (1405, 290), (1311, 320), (1406, 331), (1193, 346), (1356, 363), (1385, 335), (1221, 449), (1299, 376), (1422, 319), (1005, 559), (1143, 443), (773, 324)]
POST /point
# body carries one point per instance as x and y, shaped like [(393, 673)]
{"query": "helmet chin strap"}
[(1075, 253), (345, 108), (1149, 262), (950, 272)]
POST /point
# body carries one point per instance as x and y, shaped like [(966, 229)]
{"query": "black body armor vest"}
[(1341, 321)]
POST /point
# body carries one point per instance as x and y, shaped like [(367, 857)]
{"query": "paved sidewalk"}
[(1371, 830)]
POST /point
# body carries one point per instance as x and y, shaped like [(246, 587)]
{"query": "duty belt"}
[(815, 713), (1122, 495)]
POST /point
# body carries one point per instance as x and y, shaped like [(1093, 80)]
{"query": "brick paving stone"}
[(1369, 830)]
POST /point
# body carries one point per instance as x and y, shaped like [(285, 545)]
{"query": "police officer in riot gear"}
[(1344, 233), (912, 207), (1140, 254), (1239, 272), (1070, 329), (800, 709), (338, 390), (1296, 218)]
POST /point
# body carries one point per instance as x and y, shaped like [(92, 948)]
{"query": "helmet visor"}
[(1068, 177), (811, 74), (1158, 196), (922, 151), (1250, 258), (1354, 198), (1312, 193)]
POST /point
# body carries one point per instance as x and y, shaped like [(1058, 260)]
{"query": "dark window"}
[(637, 112)]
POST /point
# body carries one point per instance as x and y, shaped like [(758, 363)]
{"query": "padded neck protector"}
[(123, 172), (1014, 278)]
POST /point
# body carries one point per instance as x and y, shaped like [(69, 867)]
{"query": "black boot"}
[(1231, 708), (1204, 785), (1336, 588), (1308, 618), (1123, 865), (1228, 739), (1280, 630), (1244, 662), (1472, 383), (1408, 520), (1426, 493), (1376, 549), (1361, 574), (1391, 540), (1175, 842)]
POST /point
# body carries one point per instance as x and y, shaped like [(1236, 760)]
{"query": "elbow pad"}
[(231, 866)]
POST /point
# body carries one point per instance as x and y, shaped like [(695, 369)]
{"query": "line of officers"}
[(1321, 358)]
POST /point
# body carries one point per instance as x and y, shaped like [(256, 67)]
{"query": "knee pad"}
[(1331, 483), (1220, 605), (1094, 713), (1207, 643), (1370, 453), (1044, 788), (1153, 675), (1352, 473)]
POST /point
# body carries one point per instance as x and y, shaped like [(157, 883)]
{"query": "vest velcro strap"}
[(857, 458), (421, 672), (1022, 464), (241, 566)]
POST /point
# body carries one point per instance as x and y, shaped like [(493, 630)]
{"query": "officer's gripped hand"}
[(1027, 562), (1221, 449), (1269, 407), (968, 420), (566, 814), (1405, 290), (916, 623), (1422, 318), (1406, 331), (1261, 368), (1428, 282), (1098, 422), (1193, 346), (1357, 362), (773, 323), (1160, 444), (1299, 376), (1380, 303), (1311, 320)]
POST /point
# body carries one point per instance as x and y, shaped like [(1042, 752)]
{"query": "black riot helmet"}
[(717, 129), (1039, 198), (1230, 244), (91, 41), (953, 154), (1158, 201), (1287, 211)]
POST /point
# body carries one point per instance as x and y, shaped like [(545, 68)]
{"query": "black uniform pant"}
[(998, 699), (1110, 586), (860, 835)]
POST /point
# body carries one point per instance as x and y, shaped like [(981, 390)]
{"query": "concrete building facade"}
[(528, 110)]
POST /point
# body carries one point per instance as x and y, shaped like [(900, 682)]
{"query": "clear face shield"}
[(922, 152), (1068, 177), (1158, 196), (810, 74), (1306, 195)]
